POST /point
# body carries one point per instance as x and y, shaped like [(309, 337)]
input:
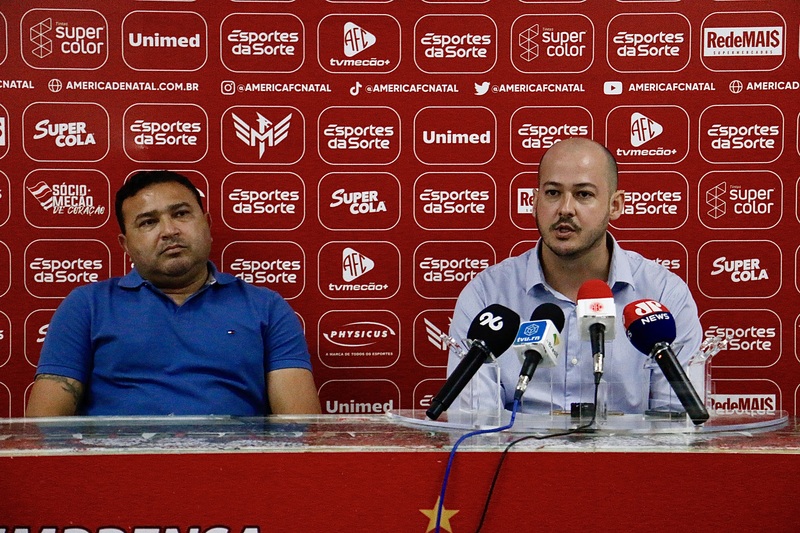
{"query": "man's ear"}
[(617, 205), (123, 241)]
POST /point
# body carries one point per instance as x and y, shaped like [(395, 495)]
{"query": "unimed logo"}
[(65, 131), (455, 200), (359, 135), (164, 41), (741, 133), (60, 198), (648, 134), (744, 268), (262, 42), (53, 267), (263, 135), (552, 44), (455, 135), (358, 201), (653, 200), (534, 129), (739, 199), (64, 39), (279, 266), (442, 268), (359, 396), (754, 336), (743, 41), (649, 42), (165, 133), (356, 43), (263, 201), (455, 44), (358, 339), (359, 270)]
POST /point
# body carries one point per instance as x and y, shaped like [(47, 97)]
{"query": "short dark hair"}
[(144, 179)]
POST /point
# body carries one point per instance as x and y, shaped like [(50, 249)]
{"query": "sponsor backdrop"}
[(367, 158)]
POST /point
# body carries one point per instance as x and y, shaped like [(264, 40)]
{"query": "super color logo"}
[(741, 133), (751, 199), (64, 39), (642, 42), (65, 131), (279, 266), (455, 44), (165, 132), (358, 339), (552, 43), (359, 43), (263, 135), (743, 41), (164, 41), (257, 42), (648, 134)]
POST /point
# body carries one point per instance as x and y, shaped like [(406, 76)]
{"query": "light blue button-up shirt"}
[(634, 382)]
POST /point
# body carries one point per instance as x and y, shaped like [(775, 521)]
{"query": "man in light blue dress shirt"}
[(576, 198)]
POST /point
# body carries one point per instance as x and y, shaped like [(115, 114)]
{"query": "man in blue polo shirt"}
[(174, 336)]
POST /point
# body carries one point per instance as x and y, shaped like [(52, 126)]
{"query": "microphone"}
[(651, 329), (491, 333), (538, 342), (597, 316)]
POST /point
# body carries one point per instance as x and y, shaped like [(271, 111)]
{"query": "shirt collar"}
[(133, 279), (619, 274)]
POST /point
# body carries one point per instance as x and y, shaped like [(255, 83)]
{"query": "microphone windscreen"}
[(648, 328), (549, 311), (496, 326), (594, 288)]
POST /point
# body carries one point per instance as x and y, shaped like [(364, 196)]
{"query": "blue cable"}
[(453, 454)]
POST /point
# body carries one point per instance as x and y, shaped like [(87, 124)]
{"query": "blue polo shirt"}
[(138, 353)]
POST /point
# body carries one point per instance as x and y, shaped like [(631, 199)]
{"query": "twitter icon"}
[(481, 88)]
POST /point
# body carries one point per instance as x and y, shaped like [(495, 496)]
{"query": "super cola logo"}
[(455, 44), (653, 200), (442, 268), (739, 199), (534, 129), (65, 131), (356, 43), (649, 42), (359, 135), (455, 135), (67, 198), (358, 339), (53, 267), (263, 135), (754, 337), (551, 44), (279, 266), (358, 201), (164, 41), (64, 39), (648, 134), (167, 133), (263, 201), (455, 200), (744, 269), (741, 133), (262, 42), (743, 41)]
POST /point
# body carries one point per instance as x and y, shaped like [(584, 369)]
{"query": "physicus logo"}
[(552, 43), (743, 41), (279, 266), (741, 133), (359, 135), (165, 132), (455, 135), (441, 268), (455, 200), (67, 198), (53, 267), (359, 339), (262, 42), (744, 269), (455, 44), (266, 201), (648, 134), (649, 42), (356, 43), (535, 129), (363, 270), (359, 201), (653, 200), (164, 41), (263, 135), (64, 39), (65, 131), (740, 200)]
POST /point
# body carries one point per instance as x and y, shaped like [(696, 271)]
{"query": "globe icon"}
[(736, 86), (55, 85)]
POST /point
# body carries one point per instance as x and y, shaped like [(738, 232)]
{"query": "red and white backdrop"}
[(367, 158)]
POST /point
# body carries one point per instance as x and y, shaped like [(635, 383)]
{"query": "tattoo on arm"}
[(71, 386)]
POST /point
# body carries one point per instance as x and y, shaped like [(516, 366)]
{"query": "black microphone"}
[(651, 329), (538, 341), (491, 333), (597, 315)]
